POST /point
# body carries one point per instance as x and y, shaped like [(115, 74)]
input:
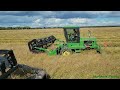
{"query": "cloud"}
[(51, 22), (37, 21), (15, 19), (58, 18), (60, 14), (79, 20)]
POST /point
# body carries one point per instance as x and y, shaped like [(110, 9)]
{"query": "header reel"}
[(9, 67), (41, 43), (8, 63)]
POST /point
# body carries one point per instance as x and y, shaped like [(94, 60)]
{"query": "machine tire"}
[(65, 51)]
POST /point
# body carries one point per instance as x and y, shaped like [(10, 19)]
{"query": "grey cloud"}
[(53, 18), (62, 14)]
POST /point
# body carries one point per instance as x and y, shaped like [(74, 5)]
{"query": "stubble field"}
[(85, 65)]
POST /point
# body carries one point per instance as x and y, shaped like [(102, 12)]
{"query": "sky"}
[(58, 18)]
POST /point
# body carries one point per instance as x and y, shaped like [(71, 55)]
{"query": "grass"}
[(85, 65)]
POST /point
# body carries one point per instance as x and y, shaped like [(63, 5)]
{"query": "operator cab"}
[(72, 34)]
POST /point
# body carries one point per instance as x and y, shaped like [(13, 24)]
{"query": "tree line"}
[(12, 28), (26, 27)]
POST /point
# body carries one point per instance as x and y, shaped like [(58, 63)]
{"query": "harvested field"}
[(85, 65)]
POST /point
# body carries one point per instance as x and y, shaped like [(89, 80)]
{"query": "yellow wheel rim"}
[(66, 53)]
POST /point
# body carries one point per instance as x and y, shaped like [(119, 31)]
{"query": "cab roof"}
[(70, 27)]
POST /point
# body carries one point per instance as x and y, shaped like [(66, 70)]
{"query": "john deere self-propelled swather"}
[(74, 43)]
